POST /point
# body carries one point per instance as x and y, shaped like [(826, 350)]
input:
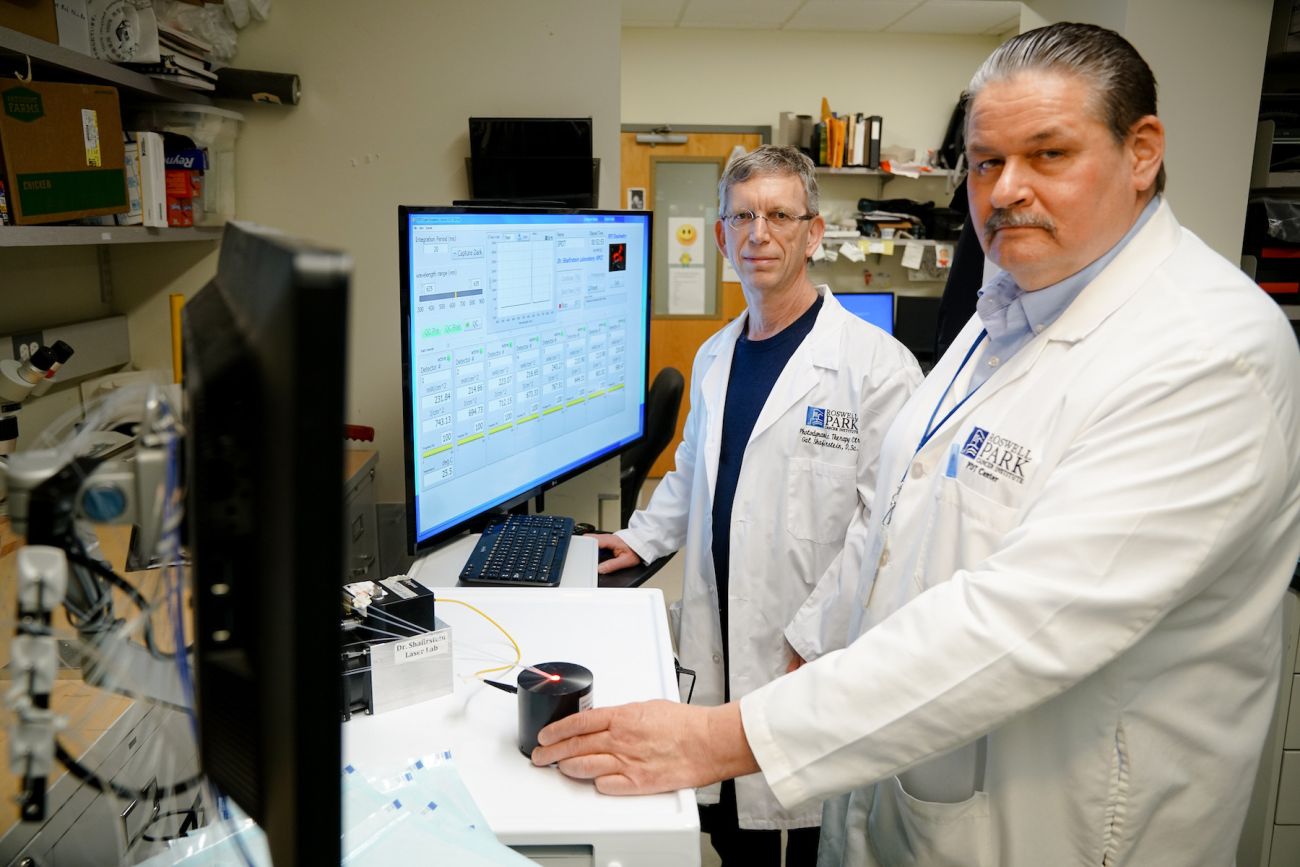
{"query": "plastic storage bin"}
[(213, 129)]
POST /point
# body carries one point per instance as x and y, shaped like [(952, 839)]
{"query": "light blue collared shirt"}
[(1013, 317)]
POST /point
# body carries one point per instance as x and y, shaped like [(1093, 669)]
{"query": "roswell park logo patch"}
[(831, 419), (995, 457), (830, 428)]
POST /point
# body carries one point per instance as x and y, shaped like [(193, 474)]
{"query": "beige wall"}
[(749, 77), (1208, 59), (382, 122), (42, 286)]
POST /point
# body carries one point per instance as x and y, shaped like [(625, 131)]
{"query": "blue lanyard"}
[(931, 428)]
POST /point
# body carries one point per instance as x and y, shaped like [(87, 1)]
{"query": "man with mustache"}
[(1064, 646)]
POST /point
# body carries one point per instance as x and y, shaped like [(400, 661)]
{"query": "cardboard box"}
[(33, 17), (61, 150)]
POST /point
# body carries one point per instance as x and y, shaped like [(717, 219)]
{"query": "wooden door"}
[(675, 340)]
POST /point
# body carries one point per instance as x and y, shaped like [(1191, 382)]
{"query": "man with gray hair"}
[(1065, 640), (788, 407)]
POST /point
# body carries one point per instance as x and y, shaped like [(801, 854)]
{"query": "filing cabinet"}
[(360, 529), (145, 747), (1271, 837)]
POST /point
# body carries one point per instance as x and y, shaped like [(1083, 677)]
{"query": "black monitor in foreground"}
[(525, 345), (265, 361)]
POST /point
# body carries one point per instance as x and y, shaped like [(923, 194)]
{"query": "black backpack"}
[(953, 149)]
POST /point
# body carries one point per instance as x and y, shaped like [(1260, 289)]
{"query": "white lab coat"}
[(799, 487), (1070, 650)]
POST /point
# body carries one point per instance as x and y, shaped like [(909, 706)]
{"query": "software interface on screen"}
[(875, 307), (527, 352)]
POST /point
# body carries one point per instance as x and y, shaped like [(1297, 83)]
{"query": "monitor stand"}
[(492, 516)]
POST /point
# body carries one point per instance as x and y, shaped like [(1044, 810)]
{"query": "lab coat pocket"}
[(965, 527), (904, 831), (820, 499)]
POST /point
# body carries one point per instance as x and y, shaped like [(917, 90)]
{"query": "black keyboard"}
[(521, 551)]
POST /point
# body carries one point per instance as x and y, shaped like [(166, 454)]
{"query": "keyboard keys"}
[(524, 550)]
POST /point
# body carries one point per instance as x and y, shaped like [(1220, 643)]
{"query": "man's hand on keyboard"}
[(624, 557)]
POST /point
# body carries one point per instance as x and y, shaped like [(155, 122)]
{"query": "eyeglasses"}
[(778, 219)]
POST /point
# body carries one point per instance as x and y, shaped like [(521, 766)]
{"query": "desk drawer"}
[(1286, 847), (1291, 714), (560, 856), (362, 539), (1288, 790), (88, 825)]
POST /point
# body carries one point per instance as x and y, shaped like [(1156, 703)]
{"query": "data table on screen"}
[(526, 344)]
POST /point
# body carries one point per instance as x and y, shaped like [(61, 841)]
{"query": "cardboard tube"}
[(177, 302)]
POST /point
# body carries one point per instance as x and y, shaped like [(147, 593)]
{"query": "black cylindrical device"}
[(561, 689), (281, 88)]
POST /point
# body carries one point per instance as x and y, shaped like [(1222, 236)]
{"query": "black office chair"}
[(662, 405)]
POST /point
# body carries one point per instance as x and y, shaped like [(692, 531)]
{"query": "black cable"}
[(104, 571), (90, 602), (97, 615), (680, 671), (93, 780)]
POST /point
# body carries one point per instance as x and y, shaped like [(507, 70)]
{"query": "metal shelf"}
[(863, 170), (67, 236), (1276, 181), (898, 242), (52, 62)]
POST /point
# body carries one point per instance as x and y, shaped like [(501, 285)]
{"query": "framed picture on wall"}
[(636, 198)]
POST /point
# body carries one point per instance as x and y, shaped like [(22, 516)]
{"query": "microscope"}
[(53, 495), (19, 380)]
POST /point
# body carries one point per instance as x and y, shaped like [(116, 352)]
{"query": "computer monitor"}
[(916, 325), (537, 160), (875, 307), (525, 344), (265, 360)]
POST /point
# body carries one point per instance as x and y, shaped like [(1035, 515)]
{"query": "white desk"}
[(622, 636), (441, 568)]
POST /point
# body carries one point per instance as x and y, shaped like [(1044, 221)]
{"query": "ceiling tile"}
[(1010, 26), (739, 14), (956, 16), (853, 15)]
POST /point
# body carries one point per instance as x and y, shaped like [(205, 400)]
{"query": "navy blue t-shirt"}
[(755, 367)]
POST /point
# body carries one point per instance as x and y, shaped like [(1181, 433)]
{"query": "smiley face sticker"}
[(684, 234)]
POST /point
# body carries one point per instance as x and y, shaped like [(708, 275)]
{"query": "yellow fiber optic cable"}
[(515, 644)]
